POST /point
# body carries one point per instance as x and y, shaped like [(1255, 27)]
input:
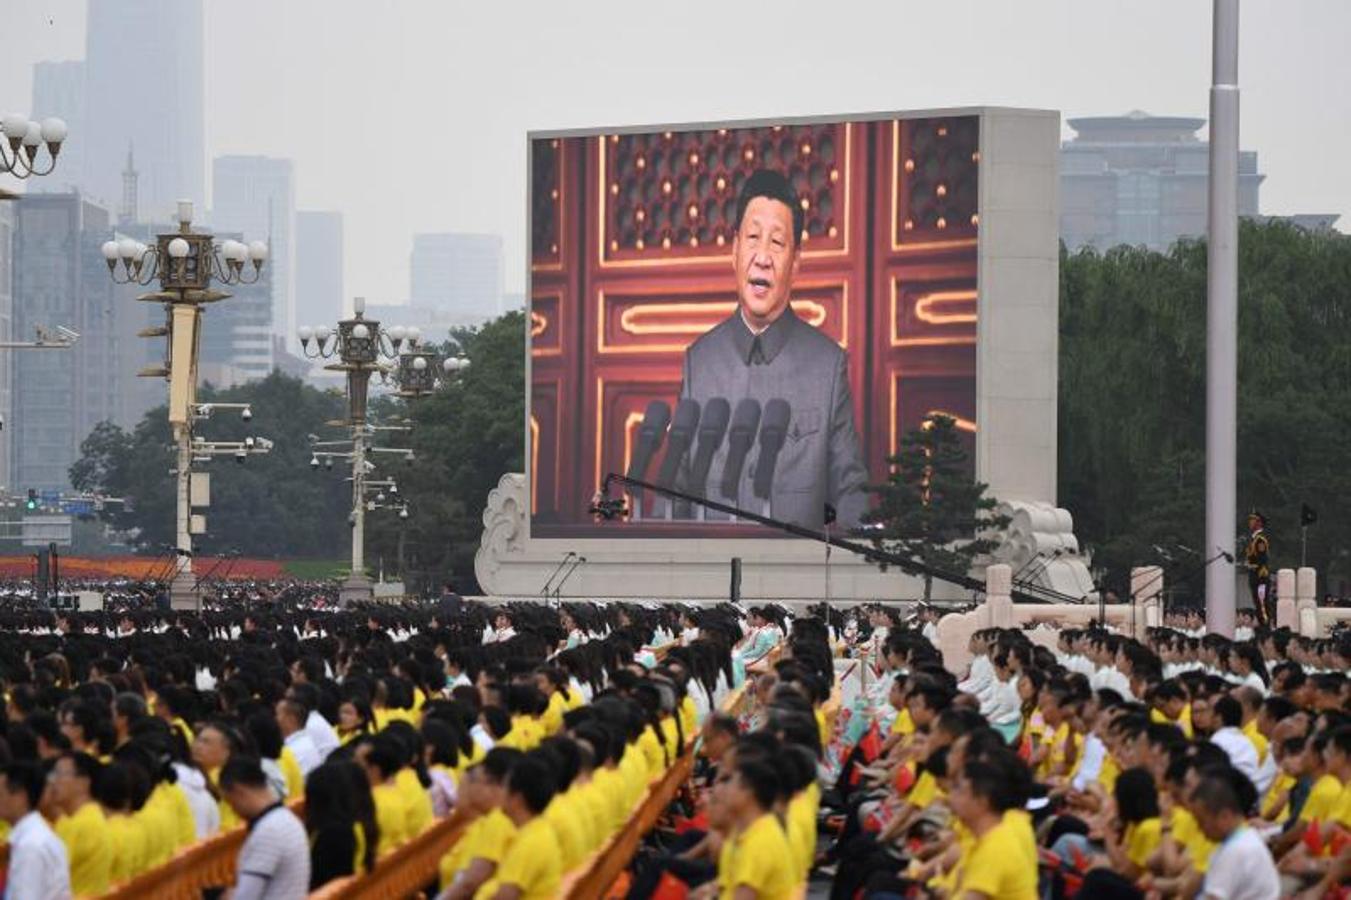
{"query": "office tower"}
[(58, 90), (457, 275), (255, 196), (318, 281), (144, 88)]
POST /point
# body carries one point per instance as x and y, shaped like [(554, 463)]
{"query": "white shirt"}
[(1004, 706), (1241, 869), (38, 866), (274, 863), (1242, 754), (322, 734), (307, 755), (1253, 680), (482, 737), (1094, 753), (205, 809)]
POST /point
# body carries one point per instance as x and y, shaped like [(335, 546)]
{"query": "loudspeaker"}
[(736, 579)]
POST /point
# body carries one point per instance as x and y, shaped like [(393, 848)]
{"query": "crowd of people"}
[(1098, 766)]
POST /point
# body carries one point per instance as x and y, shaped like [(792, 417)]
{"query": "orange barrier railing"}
[(595, 876), (208, 863), (403, 872)]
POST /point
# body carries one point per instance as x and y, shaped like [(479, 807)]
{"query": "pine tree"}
[(931, 509)]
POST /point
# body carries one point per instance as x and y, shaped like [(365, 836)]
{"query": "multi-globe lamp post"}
[(361, 347), (186, 263), (23, 141)]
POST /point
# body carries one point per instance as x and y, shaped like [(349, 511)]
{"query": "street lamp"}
[(360, 347), (25, 139), (186, 264)]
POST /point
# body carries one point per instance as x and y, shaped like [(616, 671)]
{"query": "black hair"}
[(385, 753), (497, 720), (1224, 789), (1229, 711), (28, 777), (1001, 778), (86, 766), (245, 771), (499, 761), (114, 787), (532, 779), (1136, 797), (760, 776), (775, 186), (334, 794)]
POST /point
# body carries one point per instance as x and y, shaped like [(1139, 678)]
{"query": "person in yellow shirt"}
[(987, 797), (1168, 706), (355, 719), (412, 780), (473, 860), (82, 826), (553, 683), (381, 758), (127, 834), (566, 812), (531, 868), (1137, 812), (752, 860)]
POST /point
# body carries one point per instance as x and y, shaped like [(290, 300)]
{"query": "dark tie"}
[(757, 354)]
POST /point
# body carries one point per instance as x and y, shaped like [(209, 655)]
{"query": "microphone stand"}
[(576, 564), (544, 592), (873, 554)]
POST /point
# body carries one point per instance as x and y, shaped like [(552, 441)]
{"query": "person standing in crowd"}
[(38, 863), (274, 863)]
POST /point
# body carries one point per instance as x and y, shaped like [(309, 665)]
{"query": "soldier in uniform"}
[(1259, 564)]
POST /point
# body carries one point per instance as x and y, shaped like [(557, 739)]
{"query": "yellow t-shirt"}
[(532, 862), (633, 769), (755, 858), (89, 847), (129, 848), (596, 806), (1141, 839), (1183, 721), (290, 770), (801, 820), (654, 759), (1322, 803), (391, 816), (552, 720), (1109, 773), (417, 802), (689, 716), (1342, 812), (1058, 752), (487, 837), (563, 819), (1188, 833), (903, 724), (1002, 863), (1259, 741), (1280, 785), (924, 792), (174, 801), (158, 827), (614, 788)]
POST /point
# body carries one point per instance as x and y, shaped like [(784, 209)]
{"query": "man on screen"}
[(764, 351)]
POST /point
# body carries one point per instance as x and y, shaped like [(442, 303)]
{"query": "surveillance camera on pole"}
[(246, 414)]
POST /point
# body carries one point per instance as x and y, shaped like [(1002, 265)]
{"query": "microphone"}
[(740, 437), (773, 432), (650, 433), (712, 429), (678, 441)]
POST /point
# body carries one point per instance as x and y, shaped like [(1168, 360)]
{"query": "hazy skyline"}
[(412, 116)]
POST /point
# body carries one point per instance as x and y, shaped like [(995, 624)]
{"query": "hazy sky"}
[(411, 116)]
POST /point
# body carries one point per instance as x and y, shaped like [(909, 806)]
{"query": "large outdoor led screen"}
[(791, 349)]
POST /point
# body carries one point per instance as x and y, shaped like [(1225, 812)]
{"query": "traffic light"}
[(32, 502)]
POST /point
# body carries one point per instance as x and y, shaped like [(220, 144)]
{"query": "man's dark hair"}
[(532, 779), (244, 771), (386, 754), (499, 761), (1223, 790), (775, 186), (27, 777), (1229, 711), (85, 765), (760, 777), (720, 721)]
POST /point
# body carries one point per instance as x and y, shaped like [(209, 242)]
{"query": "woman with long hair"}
[(355, 718), (340, 820)]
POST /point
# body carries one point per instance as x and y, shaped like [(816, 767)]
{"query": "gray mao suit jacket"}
[(821, 461)]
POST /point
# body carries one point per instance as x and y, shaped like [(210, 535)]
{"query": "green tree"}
[(931, 509), (464, 437), (1132, 399)]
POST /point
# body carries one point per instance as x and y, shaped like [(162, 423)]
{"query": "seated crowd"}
[(1178, 767)]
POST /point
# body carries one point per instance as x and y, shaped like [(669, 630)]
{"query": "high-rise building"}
[(237, 333), (1140, 179), (458, 275), (6, 334), (58, 90), (144, 88), (60, 395), (255, 196), (319, 298)]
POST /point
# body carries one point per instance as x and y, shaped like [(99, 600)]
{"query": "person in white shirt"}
[(501, 630), (38, 866), (274, 863), (1227, 714), (1240, 867), (291, 716)]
